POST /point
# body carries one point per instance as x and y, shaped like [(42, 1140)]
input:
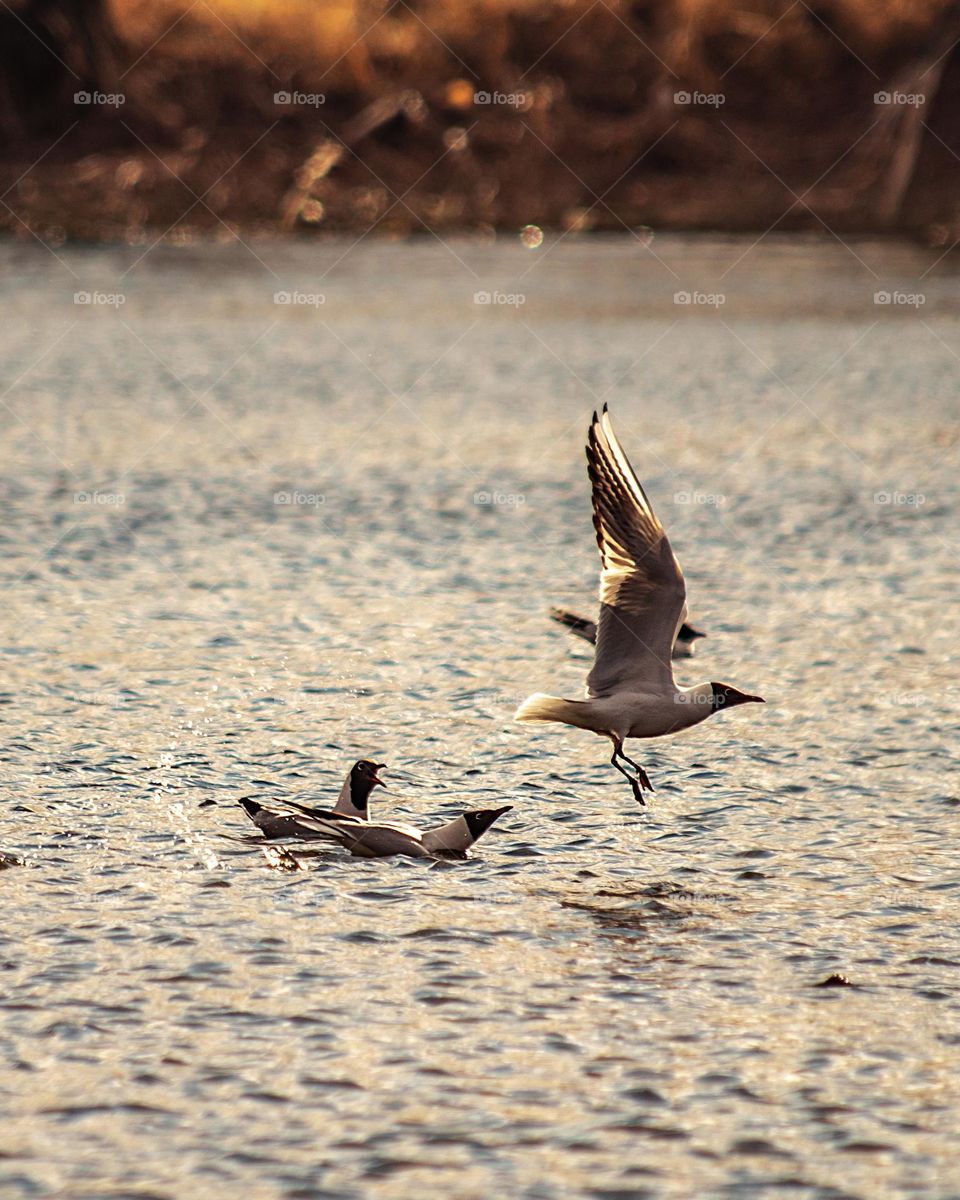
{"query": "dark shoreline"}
[(602, 137)]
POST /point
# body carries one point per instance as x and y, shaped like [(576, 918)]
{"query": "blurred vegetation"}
[(683, 114)]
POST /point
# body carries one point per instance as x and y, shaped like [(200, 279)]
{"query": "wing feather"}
[(642, 591)]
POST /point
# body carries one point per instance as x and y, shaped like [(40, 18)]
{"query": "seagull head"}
[(364, 777), (689, 634), (479, 820), (725, 696)]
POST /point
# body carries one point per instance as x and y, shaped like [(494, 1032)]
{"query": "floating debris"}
[(11, 860), (280, 859), (835, 981)]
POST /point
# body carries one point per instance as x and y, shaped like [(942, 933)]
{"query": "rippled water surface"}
[(246, 542)]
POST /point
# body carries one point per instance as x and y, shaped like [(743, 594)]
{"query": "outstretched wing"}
[(642, 592)]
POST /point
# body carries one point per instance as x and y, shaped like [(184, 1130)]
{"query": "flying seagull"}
[(631, 690), (369, 839), (583, 627)]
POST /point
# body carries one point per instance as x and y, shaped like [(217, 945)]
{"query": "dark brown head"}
[(364, 777), (479, 820), (725, 696), (687, 633)]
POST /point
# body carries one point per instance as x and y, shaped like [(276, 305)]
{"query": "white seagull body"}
[(369, 839), (683, 647), (631, 691)]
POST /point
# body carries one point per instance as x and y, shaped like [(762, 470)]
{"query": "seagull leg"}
[(642, 776), (634, 783), (637, 791)]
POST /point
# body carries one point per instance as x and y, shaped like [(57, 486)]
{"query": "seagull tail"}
[(540, 707)]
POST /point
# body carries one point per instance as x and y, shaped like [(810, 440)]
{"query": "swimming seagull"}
[(368, 839), (353, 800), (583, 627), (631, 690)]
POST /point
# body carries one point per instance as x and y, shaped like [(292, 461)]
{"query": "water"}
[(246, 542)]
